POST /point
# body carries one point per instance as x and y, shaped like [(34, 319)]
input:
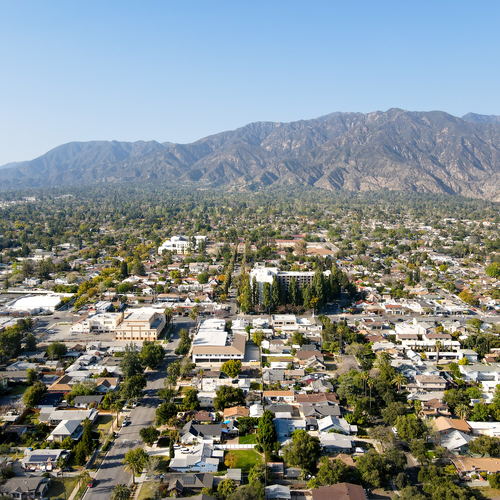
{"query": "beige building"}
[(141, 324), (213, 344)]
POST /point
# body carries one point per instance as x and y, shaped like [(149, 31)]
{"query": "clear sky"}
[(181, 70)]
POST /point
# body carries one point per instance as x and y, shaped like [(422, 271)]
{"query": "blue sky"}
[(179, 71)]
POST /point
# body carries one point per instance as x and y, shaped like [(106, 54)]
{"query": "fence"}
[(234, 446)]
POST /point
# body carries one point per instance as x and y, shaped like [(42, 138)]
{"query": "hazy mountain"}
[(397, 149), (12, 164), (475, 118)]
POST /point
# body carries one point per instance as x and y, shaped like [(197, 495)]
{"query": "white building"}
[(36, 304), (213, 344), (97, 323), (181, 244), (266, 274)]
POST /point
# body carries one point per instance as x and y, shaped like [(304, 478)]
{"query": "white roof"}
[(36, 302)]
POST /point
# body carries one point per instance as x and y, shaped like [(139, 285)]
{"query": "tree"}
[(225, 488), (267, 296), (392, 412), (253, 491), (408, 427), (123, 269), (418, 450), (396, 460), (116, 408), (152, 354), (10, 342), (190, 400), (134, 462), (298, 339), (80, 454), (300, 248), (332, 472), (258, 336), (485, 445), (165, 412), (399, 380), (266, 432), (149, 435), (131, 363), (494, 480), (31, 376), (30, 341), (230, 460), (83, 477), (227, 397), (87, 442), (462, 411), (56, 350), (232, 367), (373, 468), (33, 394), (120, 492), (202, 278), (303, 451), (132, 387)]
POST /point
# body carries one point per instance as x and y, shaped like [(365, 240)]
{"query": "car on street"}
[(92, 483)]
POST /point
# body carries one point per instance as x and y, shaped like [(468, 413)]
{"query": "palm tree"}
[(399, 380), (462, 410), (120, 492), (438, 346), (370, 383), (116, 408), (83, 477), (134, 462), (364, 377)]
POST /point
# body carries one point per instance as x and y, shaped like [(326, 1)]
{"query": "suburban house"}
[(336, 443), (488, 375), (22, 487), (345, 491), (279, 396), (197, 433), (189, 484), (201, 458), (42, 459), (446, 425), (430, 382)]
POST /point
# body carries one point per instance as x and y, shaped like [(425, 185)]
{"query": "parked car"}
[(92, 483)]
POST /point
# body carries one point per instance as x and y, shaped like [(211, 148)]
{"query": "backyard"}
[(248, 439), (246, 459), (61, 489)]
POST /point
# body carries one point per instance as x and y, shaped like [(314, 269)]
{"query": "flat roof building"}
[(141, 324), (213, 344)]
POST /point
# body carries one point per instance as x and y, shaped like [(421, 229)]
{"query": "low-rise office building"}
[(141, 324)]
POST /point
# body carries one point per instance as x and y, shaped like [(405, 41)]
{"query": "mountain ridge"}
[(397, 149)]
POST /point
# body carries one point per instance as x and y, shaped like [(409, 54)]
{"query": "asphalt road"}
[(112, 470)]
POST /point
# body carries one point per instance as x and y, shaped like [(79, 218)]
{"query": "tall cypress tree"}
[(275, 290)]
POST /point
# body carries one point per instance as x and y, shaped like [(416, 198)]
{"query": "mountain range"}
[(397, 149)]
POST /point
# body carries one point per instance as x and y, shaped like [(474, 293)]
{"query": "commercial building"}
[(98, 323), (141, 324), (36, 304), (181, 244), (213, 344), (266, 275)]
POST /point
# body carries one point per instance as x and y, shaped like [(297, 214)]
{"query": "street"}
[(112, 470)]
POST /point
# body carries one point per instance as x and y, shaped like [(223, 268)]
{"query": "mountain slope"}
[(397, 149)]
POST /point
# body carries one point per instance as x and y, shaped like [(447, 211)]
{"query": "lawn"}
[(17, 390), (248, 439), (56, 488), (104, 423), (255, 386), (246, 459), (146, 490)]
